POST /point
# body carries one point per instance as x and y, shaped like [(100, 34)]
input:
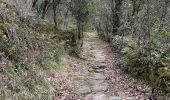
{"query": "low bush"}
[(26, 47), (135, 62)]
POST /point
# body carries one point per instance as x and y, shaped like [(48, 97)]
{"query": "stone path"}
[(95, 85), (96, 76)]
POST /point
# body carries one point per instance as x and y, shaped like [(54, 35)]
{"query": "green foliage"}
[(70, 44), (54, 66), (1, 33), (79, 9), (117, 43), (133, 62), (30, 47), (139, 31), (25, 84), (166, 33)]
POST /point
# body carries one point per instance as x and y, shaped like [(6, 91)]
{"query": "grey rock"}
[(115, 98), (100, 87), (93, 82), (99, 66), (97, 76), (96, 70), (98, 96), (82, 87), (99, 56), (83, 90)]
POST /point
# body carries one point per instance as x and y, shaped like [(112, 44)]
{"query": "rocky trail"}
[(96, 85), (96, 77)]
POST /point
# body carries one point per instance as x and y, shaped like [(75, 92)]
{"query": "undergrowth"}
[(29, 47)]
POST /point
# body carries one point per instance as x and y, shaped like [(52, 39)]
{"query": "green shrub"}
[(71, 43), (117, 43), (136, 63), (27, 46)]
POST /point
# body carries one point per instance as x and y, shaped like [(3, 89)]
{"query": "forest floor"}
[(95, 76)]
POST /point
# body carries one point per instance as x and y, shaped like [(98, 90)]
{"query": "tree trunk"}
[(80, 34), (34, 3), (116, 10), (44, 8), (55, 4), (137, 6)]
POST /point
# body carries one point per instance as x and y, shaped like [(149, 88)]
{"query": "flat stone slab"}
[(99, 55), (97, 76), (96, 70), (81, 87), (83, 90), (98, 96), (100, 87), (93, 82), (99, 66), (101, 96), (115, 98)]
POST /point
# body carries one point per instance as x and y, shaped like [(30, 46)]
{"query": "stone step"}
[(100, 87), (101, 96), (83, 90), (115, 98), (100, 66), (96, 70), (97, 76), (97, 96), (93, 82), (82, 87)]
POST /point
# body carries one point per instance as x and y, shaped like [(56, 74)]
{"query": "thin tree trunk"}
[(116, 4), (80, 34), (55, 14), (44, 9), (34, 3)]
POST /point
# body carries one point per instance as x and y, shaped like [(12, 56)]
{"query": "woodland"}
[(84, 50)]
